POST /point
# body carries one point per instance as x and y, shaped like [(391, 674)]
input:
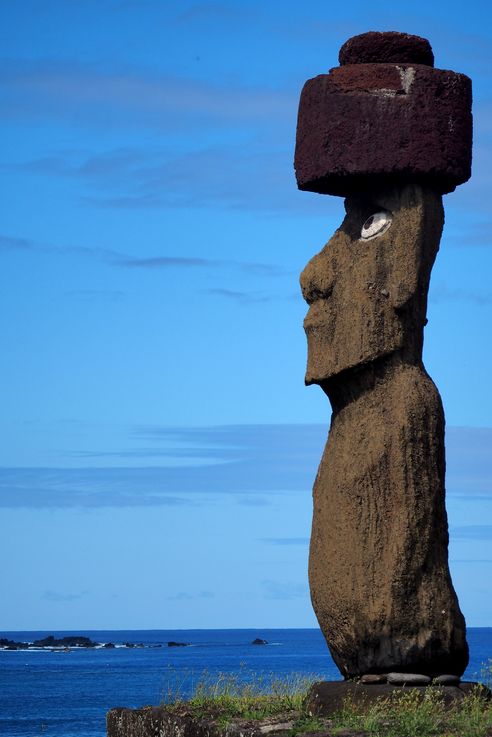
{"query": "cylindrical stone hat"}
[(384, 115)]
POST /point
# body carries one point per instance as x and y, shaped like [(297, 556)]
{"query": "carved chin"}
[(319, 326), (321, 360), (326, 359)]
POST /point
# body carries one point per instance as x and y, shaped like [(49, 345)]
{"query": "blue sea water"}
[(67, 694)]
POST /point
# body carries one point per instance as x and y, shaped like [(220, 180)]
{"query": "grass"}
[(231, 696), (408, 714)]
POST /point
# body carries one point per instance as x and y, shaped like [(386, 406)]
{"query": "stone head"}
[(392, 134), (367, 288)]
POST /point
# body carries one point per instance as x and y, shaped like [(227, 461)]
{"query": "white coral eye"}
[(376, 224)]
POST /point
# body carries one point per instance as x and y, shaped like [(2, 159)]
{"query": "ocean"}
[(67, 694)]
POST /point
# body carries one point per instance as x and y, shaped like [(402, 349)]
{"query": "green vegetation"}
[(231, 696), (407, 714)]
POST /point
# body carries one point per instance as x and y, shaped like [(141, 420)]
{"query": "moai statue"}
[(391, 134)]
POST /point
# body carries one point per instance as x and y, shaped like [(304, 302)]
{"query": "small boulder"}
[(446, 680), (373, 678), (408, 679), (259, 641)]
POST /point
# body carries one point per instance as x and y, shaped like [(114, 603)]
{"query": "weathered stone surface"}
[(388, 47), (469, 687), (446, 680), (370, 124), (408, 679), (368, 298), (152, 721), (378, 569), (373, 678), (327, 697)]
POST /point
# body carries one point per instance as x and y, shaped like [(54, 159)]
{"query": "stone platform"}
[(327, 697), (323, 700), (159, 721)]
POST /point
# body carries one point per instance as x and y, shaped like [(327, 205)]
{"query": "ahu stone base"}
[(323, 700), (327, 697), (158, 721)]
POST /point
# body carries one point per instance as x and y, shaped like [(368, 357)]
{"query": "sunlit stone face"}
[(369, 279)]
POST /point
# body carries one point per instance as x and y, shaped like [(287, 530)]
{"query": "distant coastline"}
[(65, 644), (71, 642)]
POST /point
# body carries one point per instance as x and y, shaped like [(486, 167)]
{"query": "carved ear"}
[(417, 225)]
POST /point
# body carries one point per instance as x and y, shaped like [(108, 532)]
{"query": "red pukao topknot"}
[(385, 115)]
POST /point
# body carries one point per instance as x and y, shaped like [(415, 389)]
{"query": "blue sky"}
[(158, 445)]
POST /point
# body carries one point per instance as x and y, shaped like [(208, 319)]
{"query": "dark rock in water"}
[(129, 644), (109, 645), (48, 642), (177, 644), (259, 641), (6, 644), (70, 641)]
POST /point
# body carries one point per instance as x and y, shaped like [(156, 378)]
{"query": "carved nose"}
[(315, 282)]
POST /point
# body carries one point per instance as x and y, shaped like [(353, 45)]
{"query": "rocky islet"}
[(69, 642)]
